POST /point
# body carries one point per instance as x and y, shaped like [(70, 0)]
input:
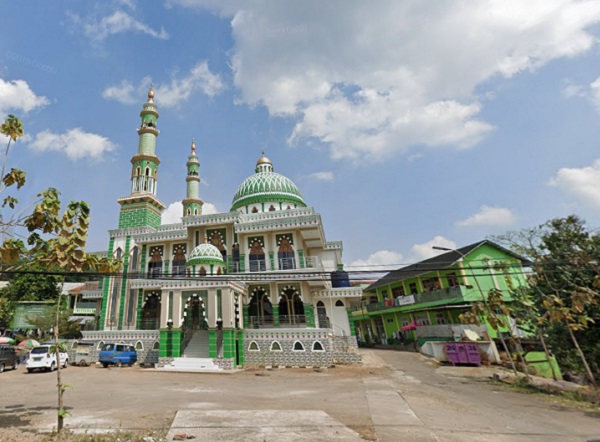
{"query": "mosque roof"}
[(266, 185), (205, 254)]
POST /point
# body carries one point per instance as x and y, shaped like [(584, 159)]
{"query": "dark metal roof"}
[(441, 261)]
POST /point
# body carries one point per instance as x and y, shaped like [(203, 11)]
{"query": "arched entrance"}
[(151, 312), (194, 314), (291, 308), (260, 310)]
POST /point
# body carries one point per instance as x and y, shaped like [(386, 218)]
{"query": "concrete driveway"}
[(394, 396)]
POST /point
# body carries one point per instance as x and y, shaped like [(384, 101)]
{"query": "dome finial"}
[(151, 93), (193, 146)]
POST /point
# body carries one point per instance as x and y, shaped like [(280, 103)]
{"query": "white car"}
[(44, 358)]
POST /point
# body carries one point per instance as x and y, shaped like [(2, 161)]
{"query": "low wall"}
[(435, 350), (298, 348), (144, 341)]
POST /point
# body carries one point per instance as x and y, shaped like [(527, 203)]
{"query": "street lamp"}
[(483, 297)]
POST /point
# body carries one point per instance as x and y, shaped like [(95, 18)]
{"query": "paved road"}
[(393, 397)]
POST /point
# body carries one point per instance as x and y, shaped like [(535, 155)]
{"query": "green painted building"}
[(423, 301), (258, 285)]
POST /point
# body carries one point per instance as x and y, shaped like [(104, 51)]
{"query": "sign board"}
[(405, 300)]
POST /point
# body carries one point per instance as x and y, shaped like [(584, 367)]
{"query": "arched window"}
[(139, 345), (202, 271), (272, 208), (217, 240), (179, 260), (155, 264), (317, 346), (285, 254), (322, 315), (253, 346), (151, 312), (339, 303), (276, 346), (254, 210), (298, 346), (291, 308), (260, 310), (257, 257)]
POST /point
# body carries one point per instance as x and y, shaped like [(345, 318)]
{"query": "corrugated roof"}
[(441, 261)]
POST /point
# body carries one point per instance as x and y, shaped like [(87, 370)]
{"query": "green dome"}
[(205, 254), (266, 186)]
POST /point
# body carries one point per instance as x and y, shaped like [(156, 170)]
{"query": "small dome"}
[(266, 186), (205, 254)]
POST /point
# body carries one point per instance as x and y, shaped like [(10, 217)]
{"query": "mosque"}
[(256, 286)]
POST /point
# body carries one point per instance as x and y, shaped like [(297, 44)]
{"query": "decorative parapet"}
[(120, 335), (277, 214), (169, 227), (170, 284), (217, 218), (130, 231), (342, 292), (286, 223), (333, 245), (91, 294), (163, 235), (286, 333)]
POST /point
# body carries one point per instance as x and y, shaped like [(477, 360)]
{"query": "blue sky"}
[(405, 124)]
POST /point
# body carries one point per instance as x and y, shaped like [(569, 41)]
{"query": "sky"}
[(404, 124)]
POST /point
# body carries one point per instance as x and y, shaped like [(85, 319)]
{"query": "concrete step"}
[(192, 364)]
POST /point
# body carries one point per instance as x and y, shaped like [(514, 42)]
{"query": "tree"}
[(55, 241), (564, 289)]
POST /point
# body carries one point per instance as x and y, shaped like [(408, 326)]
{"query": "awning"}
[(411, 326), (81, 319)]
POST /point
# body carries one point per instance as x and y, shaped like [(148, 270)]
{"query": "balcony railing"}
[(285, 321), (287, 263), (85, 308), (149, 324), (419, 298), (257, 265)]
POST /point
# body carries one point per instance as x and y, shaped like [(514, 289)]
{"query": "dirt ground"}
[(391, 396)]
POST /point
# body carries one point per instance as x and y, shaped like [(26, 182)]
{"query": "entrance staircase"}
[(195, 356)]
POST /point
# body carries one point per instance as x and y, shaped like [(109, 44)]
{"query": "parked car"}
[(44, 358), (117, 354), (8, 357)]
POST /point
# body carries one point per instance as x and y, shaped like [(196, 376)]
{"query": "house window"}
[(431, 284), (422, 320), (413, 288), (452, 279), (398, 291), (440, 319)]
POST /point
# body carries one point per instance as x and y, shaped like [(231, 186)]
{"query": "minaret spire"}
[(192, 204), (144, 173)]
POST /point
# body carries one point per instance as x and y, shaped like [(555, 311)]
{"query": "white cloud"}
[(117, 23), (322, 176), (174, 212), (383, 260), (371, 80), (16, 95), (595, 93), (179, 90), (488, 216), (125, 93), (419, 252), (583, 184), (209, 209), (75, 144), (200, 78)]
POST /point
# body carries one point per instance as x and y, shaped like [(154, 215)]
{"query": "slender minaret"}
[(192, 204), (142, 208)]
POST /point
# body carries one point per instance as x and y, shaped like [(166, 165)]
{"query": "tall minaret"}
[(192, 204), (142, 208)]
